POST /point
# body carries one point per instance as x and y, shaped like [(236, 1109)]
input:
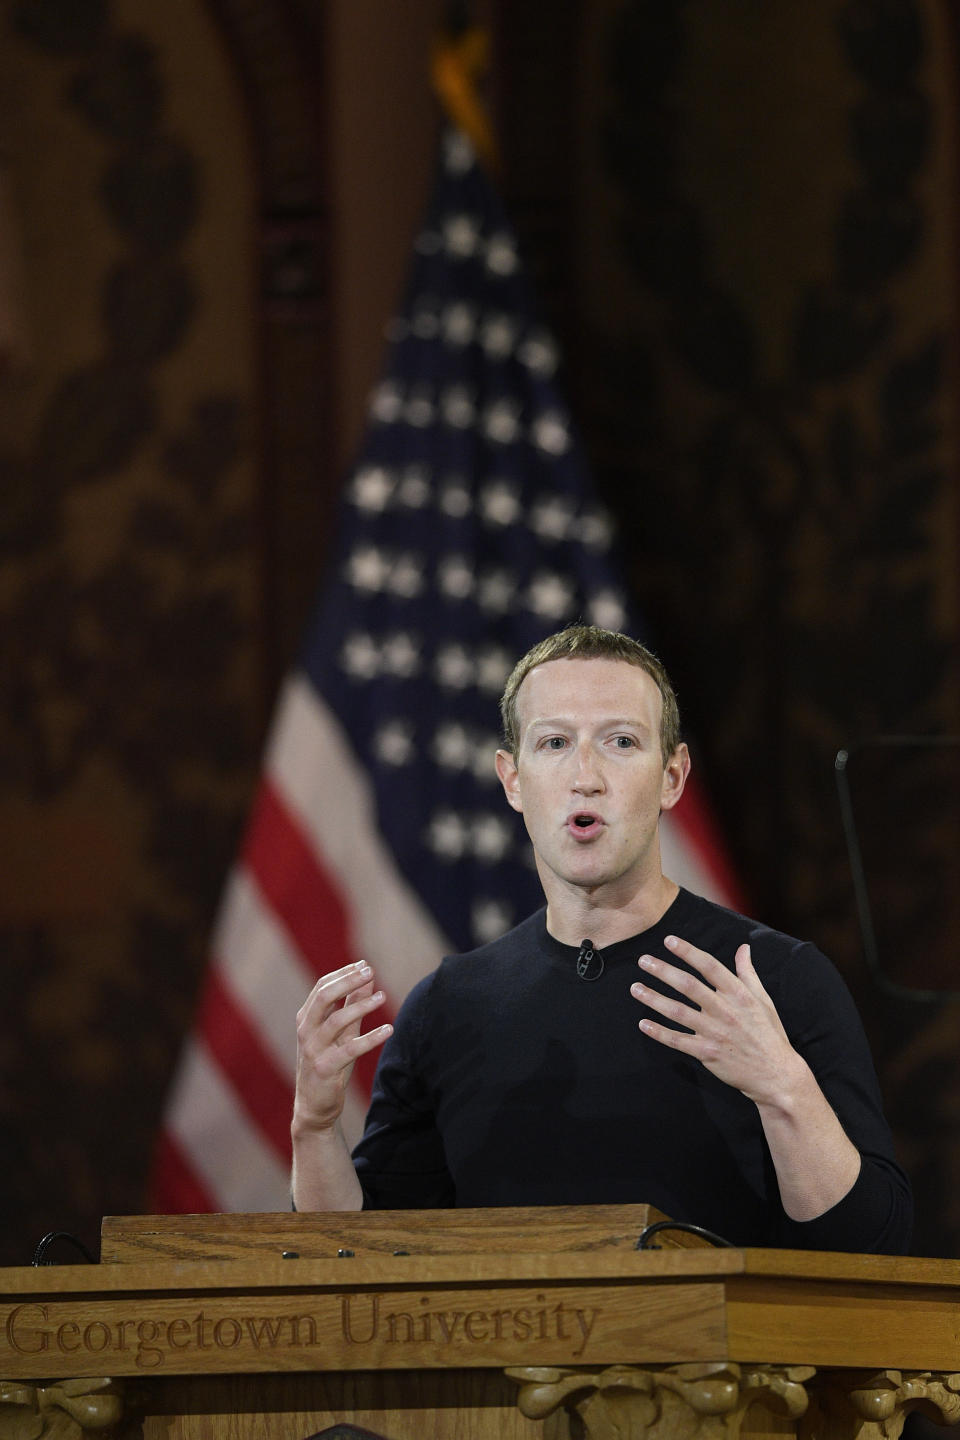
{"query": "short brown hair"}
[(590, 642)]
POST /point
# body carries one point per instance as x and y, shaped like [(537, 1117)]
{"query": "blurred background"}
[(741, 223)]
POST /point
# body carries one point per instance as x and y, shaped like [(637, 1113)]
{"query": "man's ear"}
[(509, 778), (675, 774)]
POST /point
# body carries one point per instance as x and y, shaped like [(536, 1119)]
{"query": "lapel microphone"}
[(589, 961)]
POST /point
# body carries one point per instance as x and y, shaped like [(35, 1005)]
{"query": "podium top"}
[(517, 1230)]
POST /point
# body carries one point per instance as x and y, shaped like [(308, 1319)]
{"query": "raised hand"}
[(329, 1041)]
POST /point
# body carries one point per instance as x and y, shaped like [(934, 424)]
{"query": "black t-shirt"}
[(509, 1080)]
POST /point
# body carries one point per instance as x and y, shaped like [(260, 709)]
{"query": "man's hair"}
[(590, 642)]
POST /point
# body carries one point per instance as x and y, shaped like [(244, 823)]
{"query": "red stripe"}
[(174, 1187), (695, 818), (296, 887), (246, 1065), (306, 901)]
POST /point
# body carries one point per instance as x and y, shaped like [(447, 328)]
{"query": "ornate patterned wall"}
[(131, 592), (742, 221)]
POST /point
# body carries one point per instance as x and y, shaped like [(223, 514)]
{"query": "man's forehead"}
[(548, 690)]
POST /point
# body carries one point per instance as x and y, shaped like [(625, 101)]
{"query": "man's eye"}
[(556, 742), (624, 742)]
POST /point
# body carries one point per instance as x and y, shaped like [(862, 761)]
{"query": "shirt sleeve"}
[(400, 1159), (819, 1015)]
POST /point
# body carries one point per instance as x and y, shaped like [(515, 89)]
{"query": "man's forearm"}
[(323, 1173), (815, 1162)]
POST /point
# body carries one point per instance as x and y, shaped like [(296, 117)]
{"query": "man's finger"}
[(713, 970), (332, 988), (680, 980), (674, 1039), (353, 1012), (369, 1040), (669, 1009)]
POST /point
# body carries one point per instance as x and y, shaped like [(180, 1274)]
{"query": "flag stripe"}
[(315, 775), (295, 886), (176, 1187), (223, 1149), (250, 943), (701, 842), (233, 1043)]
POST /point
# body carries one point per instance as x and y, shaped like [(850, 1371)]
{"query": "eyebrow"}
[(611, 722)]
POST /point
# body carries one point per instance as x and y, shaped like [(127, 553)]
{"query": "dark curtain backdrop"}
[(741, 220)]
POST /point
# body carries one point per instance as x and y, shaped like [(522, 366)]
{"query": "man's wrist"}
[(794, 1087), (302, 1127)]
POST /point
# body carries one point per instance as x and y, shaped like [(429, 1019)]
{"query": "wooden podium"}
[(469, 1325)]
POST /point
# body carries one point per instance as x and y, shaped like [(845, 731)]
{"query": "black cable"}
[(646, 1235), (858, 870), (47, 1241)]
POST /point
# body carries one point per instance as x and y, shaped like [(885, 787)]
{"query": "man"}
[(629, 1042)]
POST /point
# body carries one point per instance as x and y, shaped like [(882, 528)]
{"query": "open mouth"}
[(584, 823)]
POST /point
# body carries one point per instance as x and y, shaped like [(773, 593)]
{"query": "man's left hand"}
[(735, 1029)]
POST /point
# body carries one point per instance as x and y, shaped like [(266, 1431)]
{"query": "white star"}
[(368, 568), (495, 592), (455, 498), (551, 432), (453, 747), (447, 835), (459, 323), (550, 595), (455, 577), (393, 743), (414, 488), (493, 667), (401, 655), (461, 233), (372, 488), (539, 353), (386, 402), (458, 153), (458, 406), (501, 421), (490, 919), (501, 254), (453, 667), (497, 336), (606, 609), (500, 503), (551, 517), (420, 409), (406, 576), (491, 837), (360, 657), (596, 530)]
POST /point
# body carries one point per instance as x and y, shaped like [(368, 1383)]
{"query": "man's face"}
[(588, 776)]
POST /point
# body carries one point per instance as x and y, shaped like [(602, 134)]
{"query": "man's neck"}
[(604, 918)]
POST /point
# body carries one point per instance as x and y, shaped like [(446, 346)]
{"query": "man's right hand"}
[(329, 1041)]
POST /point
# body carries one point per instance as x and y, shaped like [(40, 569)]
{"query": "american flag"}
[(379, 831)]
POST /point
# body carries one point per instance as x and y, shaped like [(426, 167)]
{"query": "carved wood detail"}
[(672, 1402), (65, 1410), (710, 1402), (859, 1405)]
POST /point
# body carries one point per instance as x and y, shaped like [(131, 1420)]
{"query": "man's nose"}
[(588, 775)]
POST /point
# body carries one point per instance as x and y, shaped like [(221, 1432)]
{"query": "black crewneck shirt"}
[(510, 1080)]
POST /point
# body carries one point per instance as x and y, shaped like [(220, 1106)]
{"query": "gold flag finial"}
[(457, 63)]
